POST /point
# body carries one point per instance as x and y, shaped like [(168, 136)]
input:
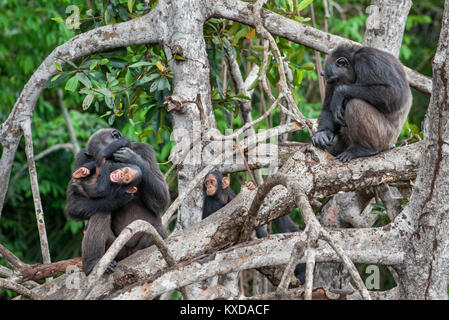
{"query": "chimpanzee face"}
[(125, 175), (338, 67), (211, 184)]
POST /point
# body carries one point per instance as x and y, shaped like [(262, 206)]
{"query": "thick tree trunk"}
[(191, 77), (424, 273)]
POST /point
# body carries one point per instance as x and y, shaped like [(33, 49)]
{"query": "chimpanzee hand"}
[(250, 185), (323, 139), (125, 155)]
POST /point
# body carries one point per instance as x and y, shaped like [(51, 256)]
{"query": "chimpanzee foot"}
[(111, 267), (345, 156), (355, 152)]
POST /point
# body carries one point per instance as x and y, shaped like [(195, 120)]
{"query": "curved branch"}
[(11, 285)]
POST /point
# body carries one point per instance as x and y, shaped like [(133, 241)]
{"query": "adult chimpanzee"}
[(367, 101), (108, 217), (217, 194)]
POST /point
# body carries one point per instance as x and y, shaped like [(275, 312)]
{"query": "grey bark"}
[(424, 273)]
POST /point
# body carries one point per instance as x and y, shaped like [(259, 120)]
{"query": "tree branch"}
[(300, 33)]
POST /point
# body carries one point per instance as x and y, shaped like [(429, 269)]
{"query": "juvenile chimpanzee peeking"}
[(366, 103), (217, 192)]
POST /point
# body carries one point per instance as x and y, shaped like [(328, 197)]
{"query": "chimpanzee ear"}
[(132, 190), (225, 182)]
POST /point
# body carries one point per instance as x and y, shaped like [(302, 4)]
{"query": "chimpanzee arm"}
[(381, 81), (81, 207), (82, 159), (110, 149), (327, 127), (153, 190)]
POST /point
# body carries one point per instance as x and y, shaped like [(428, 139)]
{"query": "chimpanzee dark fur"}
[(366, 103), (107, 218)]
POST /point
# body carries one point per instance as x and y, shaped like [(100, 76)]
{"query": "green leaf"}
[(109, 102), (303, 4), (83, 79), (58, 66), (131, 5), (57, 19), (54, 78), (93, 65), (176, 57), (242, 96), (298, 77), (69, 62), (88, 101), (154, 85), (240, 34), (308, 66), (235, 27), (128, 77), (257, 48), (111, 120), (163, 84), (140, 64), (72, 84), (106, 92), (56, 81)]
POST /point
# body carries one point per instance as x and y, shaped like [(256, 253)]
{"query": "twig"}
[(26, 127), (319, 68), (249, 124), (258, 22), (11, 285), (348, 264), (326, 16), (246, 163), (15, 262)]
